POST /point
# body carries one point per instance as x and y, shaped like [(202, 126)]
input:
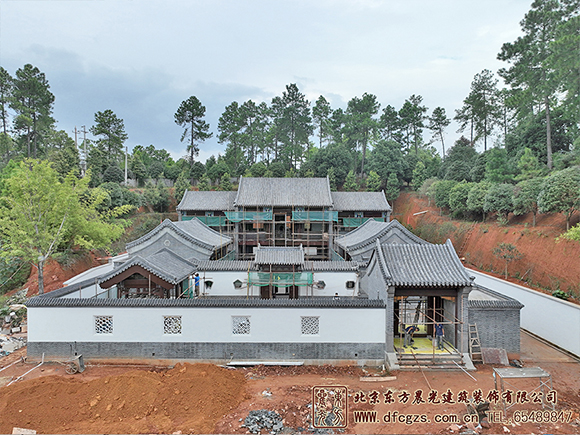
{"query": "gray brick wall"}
[(498, 328), (207, 351)]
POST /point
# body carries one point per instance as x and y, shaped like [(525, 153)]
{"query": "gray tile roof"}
[(226, 265), (283, 192), (330, 266), (423, 266), (483, 298), (372, 230), (279, 255), (164, 264), (193, 230), (319, 302), (360, 201), (207, 200)]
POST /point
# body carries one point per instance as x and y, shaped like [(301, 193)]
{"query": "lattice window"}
[(310, 325), (103, 324), (241, 325), (172, 324)]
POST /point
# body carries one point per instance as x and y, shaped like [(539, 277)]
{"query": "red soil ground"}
[(55, 274), (203, 398), (546, 265)]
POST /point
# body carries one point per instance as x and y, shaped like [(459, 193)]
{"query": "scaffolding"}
[(416, 310), (283, 226)]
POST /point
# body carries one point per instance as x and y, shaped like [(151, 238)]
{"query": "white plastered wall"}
[(211, 325)]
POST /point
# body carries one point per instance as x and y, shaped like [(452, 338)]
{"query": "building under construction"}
[(287, 212)]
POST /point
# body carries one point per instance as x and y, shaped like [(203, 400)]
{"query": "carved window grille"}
[(103, 324), (172, 324), (241, 325), (310, 325)]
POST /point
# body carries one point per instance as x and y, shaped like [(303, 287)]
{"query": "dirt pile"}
[(546, 263), (55, 273), (188, 398)]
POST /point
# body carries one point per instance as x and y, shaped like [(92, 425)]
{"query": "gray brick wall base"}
[(212, 351), (497, 328)]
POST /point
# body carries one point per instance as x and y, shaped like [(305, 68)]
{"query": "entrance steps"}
[(429, 362)]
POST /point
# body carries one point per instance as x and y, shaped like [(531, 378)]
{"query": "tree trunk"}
[(548, 133), (534, 219), (41, 277)]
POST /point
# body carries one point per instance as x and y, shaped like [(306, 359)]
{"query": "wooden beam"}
[(139, 270)]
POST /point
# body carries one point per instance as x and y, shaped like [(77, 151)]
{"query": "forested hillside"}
[(519, 152), (536, 257)]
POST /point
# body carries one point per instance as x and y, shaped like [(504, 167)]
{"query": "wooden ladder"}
[(461, 251), (474, 344)]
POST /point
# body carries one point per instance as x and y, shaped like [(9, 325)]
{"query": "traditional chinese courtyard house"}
[(276, 301), (284, 212)]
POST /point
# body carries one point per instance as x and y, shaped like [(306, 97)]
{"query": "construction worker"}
[(439, 334), (196, 281), (409, 331)]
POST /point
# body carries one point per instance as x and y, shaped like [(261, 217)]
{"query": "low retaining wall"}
[(548, 317)]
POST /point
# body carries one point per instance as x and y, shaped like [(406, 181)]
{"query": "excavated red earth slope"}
[(546, 263)]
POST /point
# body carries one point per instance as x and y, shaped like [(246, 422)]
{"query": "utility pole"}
[(126, 152), (84, 154)]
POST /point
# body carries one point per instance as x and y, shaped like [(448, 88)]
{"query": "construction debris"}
[(258, 421), (10, 344)]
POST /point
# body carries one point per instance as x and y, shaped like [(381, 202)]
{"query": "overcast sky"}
[(142, 58)]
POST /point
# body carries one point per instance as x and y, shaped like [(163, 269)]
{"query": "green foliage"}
[(560, 294), (204, 183), (40, 215), (497, 169), (13, 273), (197, 171), (419, 175), (113, 174), (528, 166), (258, 169), (526, 195), (373, 182), (460, 160), (181, 186), (499, 199), (225, 183), (32, 103), (335, 156), (392, 187), (217, 171), (387, 158), (190, 116), (572, 234), (476, 198), (63, 154), (442, 189), (425, 188), (438, 122), (331, 178), (560, 193), (111, 132), (156, 198), (508, 253), (458, 197), (350, 184), (277, 169)]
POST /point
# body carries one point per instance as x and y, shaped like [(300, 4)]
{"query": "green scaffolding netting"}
[(210, 221), (229, 256), (279, 279), (334, 256), (357, 222), (238, 216), (315, 216)]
